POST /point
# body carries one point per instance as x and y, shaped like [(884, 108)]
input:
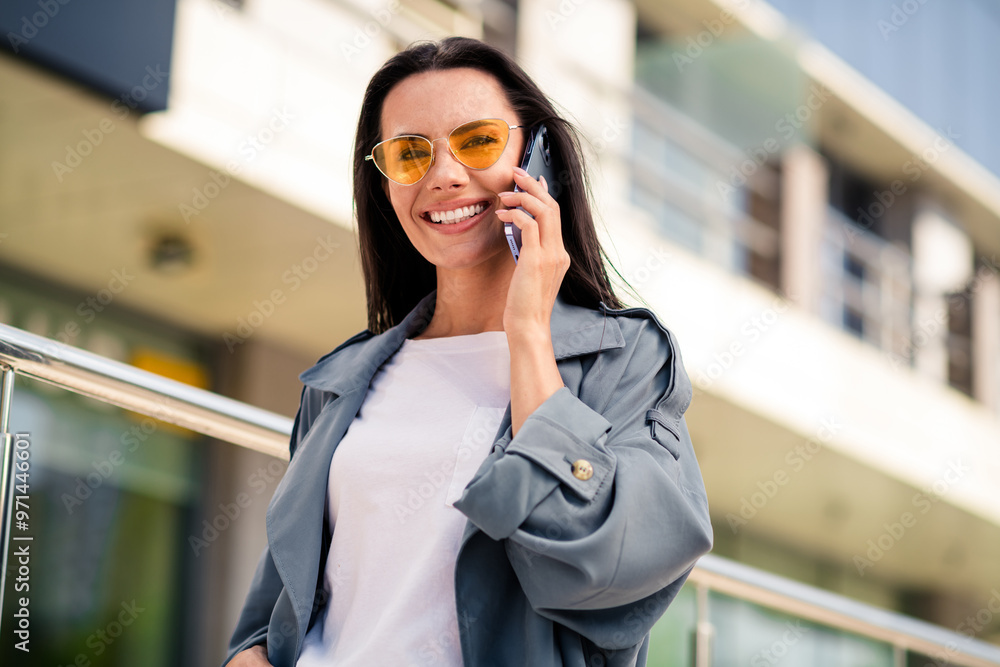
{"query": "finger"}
[(548, 217), (528, 183), (529, 202), (540, 190), (528, 226)]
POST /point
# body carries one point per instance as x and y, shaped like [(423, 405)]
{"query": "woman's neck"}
[(468, 302)]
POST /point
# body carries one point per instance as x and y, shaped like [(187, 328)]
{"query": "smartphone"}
[(538, 160)]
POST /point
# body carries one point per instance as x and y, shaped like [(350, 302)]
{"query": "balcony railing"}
[(715, 585), (866, 286), (679, 170), (681, 175)]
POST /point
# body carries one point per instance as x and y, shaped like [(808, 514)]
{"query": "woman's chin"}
[(494, 254)]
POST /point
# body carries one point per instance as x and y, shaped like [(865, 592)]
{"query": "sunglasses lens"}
[(403, 159), (479, 144)]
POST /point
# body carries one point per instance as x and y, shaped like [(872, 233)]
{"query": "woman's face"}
[(432, 104)]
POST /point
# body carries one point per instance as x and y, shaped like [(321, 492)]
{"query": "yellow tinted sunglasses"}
[(407, 158)]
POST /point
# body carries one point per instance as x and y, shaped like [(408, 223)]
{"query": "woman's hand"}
[(255, 656), (543, 261), (532, 292)]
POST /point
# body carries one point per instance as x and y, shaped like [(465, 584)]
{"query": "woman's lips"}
[(458, 227), (458, 214), (463, 212)]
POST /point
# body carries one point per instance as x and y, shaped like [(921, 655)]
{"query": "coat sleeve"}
[(266, 586), (603, 556)]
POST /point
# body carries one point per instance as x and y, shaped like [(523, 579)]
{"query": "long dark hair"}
[(396, 275)]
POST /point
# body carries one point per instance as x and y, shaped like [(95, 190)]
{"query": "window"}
[(960, 341)]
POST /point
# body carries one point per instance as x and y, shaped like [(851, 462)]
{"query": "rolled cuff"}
[(560, 432)]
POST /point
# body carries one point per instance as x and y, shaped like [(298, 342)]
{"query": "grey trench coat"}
[(553, 569)]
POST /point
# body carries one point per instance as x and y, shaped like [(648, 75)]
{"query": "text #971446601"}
[(20, 547)]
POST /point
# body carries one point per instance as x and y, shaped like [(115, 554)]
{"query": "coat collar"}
[(576, 331)]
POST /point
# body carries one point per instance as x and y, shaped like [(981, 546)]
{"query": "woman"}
[(498, 471)]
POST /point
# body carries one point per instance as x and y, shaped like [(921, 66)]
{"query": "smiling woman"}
[(497, 471), (451, 181)]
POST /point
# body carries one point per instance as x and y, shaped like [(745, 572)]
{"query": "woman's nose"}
[(445, 171)]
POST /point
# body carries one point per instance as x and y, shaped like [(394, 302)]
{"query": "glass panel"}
[(919, 660), (672, 639), (748, 634), (109, 497)]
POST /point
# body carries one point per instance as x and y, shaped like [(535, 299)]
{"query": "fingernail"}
[(505, 194), (520, 171)]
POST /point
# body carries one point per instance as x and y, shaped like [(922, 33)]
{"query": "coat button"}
[(582, 469)]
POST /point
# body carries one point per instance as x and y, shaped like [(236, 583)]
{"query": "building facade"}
[(805, 195)]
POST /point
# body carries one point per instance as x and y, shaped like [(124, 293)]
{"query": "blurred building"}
[(807, 193)]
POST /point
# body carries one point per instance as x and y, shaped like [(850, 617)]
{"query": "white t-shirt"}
[(424, 428)]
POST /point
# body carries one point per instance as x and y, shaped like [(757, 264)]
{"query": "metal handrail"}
[(134, 389), (226, 419), (836, 611)]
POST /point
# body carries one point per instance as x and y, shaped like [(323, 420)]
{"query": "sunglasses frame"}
[(371, 155)]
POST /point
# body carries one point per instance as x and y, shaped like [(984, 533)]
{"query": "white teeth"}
[(457, 215)]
